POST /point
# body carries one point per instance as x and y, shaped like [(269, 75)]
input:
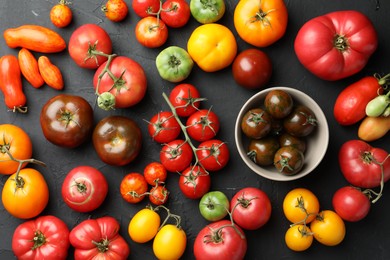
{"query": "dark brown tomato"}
[(278, 103), (300, 122), (286, 140), (288, 160), (256, 123), (262, 151)]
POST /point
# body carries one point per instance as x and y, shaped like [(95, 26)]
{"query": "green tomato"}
[(378, 105), (214, 205), (207, 11), (174, 64)]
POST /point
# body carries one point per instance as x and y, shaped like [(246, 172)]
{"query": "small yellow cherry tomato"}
[(298, 237), (144, 225), (328, 228), (212, 47), (300, 204), (169, 243)]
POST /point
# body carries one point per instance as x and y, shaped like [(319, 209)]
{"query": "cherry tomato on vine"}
[(328, 228), (145, 8), (176, 156), (194, 182), (203, 125), (300, 204), (185, 98), (163, 127), (151, 32), (155, 173), (144, 225), (175, 13), (213, 154), (133, 187), (60, 14), (298, 237), (158, 195), (115, 10)]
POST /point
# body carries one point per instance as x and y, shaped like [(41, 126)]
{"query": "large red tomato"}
[(340, 44), (126, 81)]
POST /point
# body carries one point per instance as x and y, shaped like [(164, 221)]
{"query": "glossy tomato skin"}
[(129, 93), (158, 195), (133, 187), (91, 234), (151, 32), (340, 44), (351, 204), (300, 204), (278, 103), (256, 123), (61, 15), (46, 237), (14, 139), (84, 38), (117, 140), (262, 151), (214, 205), (144, 225), (300, 122), (194, 182), (176, 156), (163, 127), (170, 242), (67, 120), (145, 8), (251, 208), (185, 98), (155, 173), (359, 163), (115, 10), (84, 188), (203, 125), (213, 154), (288, 160), (175, 13), (328, 228), (233, 244), (252, 69)]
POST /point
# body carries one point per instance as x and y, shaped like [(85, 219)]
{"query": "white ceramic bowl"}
[(316, 142)]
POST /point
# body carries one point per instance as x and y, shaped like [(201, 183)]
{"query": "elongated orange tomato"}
[(260, 22), (373, 128), (11, 83), (29, 67), (34, 38), (50, 73)]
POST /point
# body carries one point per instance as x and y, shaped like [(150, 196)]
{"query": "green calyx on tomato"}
[(214, 205), (207, 11), (174, 64)]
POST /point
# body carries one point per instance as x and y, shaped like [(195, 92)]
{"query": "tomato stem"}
[(38, 240), (169, 215), (382, 183), (105, 100)]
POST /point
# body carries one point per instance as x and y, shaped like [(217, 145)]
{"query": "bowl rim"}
[(238, 135)]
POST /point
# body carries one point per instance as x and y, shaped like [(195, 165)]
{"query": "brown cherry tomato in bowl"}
[(262, 151), (286, 139), (300, 122), (256, 123), (278, 103), (288, 160)]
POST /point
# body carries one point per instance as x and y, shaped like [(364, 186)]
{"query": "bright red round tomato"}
[(158, 195), (151, 32), (351, 204), (213, 154), (340, 44), (133, 187), (86, 42), (185, 98), (360, 164), (231, 243), (252, 69), (203, 125), (46, 237), (84, 188), (176, 156), (145, 8), (163, 127), (127, 81), (175, 13), (194, 182), (115, 10), (251, 208), (155, 173)]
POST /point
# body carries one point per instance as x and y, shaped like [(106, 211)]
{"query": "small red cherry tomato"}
[(213, 154)]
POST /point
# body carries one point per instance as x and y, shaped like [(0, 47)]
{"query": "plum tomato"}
[(194, 182), (288, 160), (170, 242), (67, 120), (300, 122), (117, 140), (133, 187), (300, 204), (158, 195), (256, 123), (176, 156), (163, 127), (203, 125), (175, 13), (185, 98), (144, 225), (278, 103), (151, 32), (213, 154), (252, 69), (155, 173), (262, 151)]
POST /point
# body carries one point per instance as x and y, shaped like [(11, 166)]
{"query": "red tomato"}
[(133, 187), (155, 173), (203, 125), (60, 14), (99, 239), (351, 204), (252, 69), (163, 127), (251, 208), (175, 13), (145, 8), (115, 10), (46, 237), (213, 154), (158, 195), (84, 189), (85, 44), (350, 105), (340, 44), (127, 81), (194, 182), (219, 240), (185, 98), (176, 156), (151, 32), (360, 164)]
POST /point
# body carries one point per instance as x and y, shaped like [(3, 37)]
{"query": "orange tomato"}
[(19, 145), (260, 23), (298, 238), (300, 204), (115, 10), (25, 195), (373, 128), (29, 68), (328, 228), (60, 14), (50, 73)]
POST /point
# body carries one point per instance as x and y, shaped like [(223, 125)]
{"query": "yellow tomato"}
[(27, 195), (298, 238), (260, 23), (328, 228), (169, 243), (212, 47), (144, 225), (300, 204)]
